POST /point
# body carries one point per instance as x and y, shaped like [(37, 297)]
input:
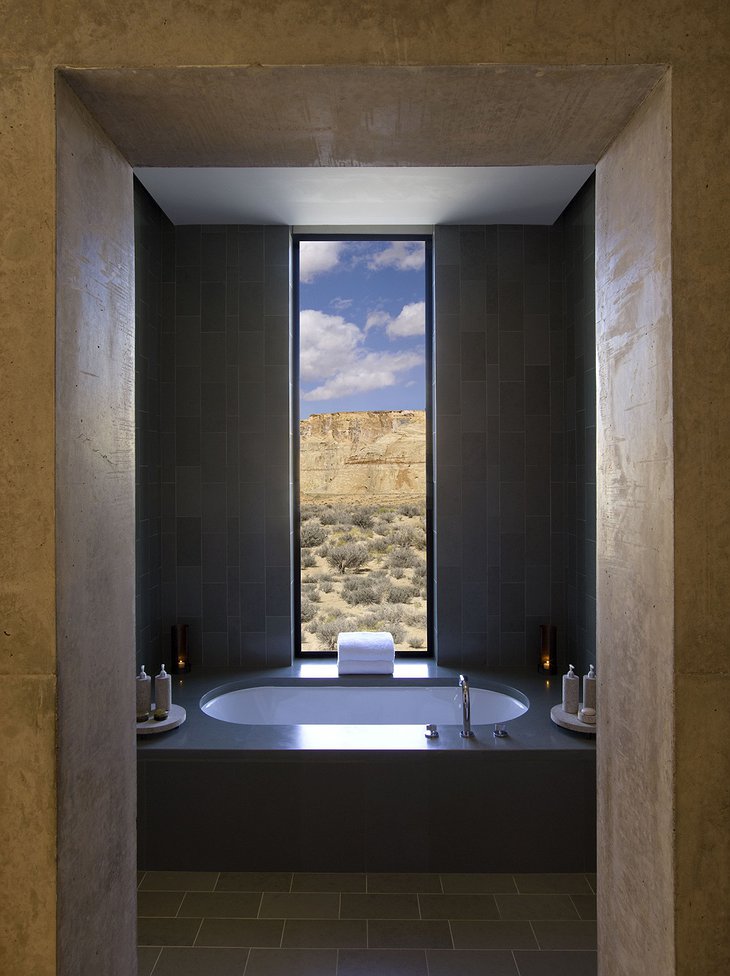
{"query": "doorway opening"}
[(362, 364)]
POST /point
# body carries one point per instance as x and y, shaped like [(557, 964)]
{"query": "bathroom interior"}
[(514, 534), (546, 460)]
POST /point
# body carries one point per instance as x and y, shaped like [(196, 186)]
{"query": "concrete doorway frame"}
[(95, 337)]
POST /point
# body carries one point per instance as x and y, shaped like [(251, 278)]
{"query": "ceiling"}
[(364, 144), (364, 196)]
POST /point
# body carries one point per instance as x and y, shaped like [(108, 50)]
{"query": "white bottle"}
[(571, 690), (163, 690), (589, 688), (144, 695)]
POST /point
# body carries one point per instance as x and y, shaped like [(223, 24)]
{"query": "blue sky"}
[(362, 326)]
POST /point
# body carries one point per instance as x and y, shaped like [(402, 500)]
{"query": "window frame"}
[(429, 340)]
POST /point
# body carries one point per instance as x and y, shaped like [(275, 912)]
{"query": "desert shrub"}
[(311, 591), (387, 515), (417, 641), (336, 515), (312, 534), (410, 510), (350, 556), (308, 560), (325, 585), (403, 558), (378, 620), (377, 545), (400, 594), (328, 630), (362, 517), (397, 573), (308, 610), (366, 595), (419, 570), (408, 536)]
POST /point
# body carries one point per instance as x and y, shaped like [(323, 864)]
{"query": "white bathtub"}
[(360, 705)]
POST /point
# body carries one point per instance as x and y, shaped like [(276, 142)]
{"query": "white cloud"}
[(331, 351), (316, 257), (410, 321), (327, 344), (369, 371), (401, 255), (341, 303)]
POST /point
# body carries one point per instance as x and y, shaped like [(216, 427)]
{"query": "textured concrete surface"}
[(365, 116), (635, 546), (692, 38), (28, 825), (95, 549)]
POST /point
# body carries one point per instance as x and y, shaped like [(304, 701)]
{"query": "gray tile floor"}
[(289, 924)]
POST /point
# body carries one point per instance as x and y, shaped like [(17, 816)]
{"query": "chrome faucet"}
[(466, 732)]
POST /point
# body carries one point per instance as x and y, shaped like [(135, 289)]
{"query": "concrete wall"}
[(636, 558), (94, 550), (693, 39)]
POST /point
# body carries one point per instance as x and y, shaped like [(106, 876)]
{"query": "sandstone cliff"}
[(377, 455)]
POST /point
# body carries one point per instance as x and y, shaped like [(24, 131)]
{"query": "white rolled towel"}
[(365, 667), (363, 645)]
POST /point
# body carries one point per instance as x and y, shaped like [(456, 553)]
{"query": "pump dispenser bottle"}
[(144, 695), (571, 690), (589, 688), (163, 691)]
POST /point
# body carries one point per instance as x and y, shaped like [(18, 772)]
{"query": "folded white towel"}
[(365, 646), (365, 667)]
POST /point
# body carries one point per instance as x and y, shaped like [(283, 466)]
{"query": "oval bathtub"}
[(413, 704)]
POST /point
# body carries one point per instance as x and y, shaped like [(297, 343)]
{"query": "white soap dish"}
[(175, 717)]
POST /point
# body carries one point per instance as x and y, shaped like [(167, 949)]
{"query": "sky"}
[(362, 326)]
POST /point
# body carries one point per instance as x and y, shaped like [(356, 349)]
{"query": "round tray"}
[(566, 720), (176, 717)]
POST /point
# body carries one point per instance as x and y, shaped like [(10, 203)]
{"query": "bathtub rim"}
[(364, 681)]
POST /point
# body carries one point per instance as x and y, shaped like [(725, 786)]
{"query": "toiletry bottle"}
[(163, 691), (144, 695), (571, 689), (589, 688)]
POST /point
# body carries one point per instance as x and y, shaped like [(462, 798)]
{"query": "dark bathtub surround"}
[(527, 801), (224, 409), (515, 441), (153, 242)]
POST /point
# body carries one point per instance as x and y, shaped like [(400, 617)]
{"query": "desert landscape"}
[(363, 526)]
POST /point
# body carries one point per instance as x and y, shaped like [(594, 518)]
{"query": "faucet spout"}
[(466, 732)]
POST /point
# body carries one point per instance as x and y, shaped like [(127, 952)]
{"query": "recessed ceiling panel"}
[(358, 196)]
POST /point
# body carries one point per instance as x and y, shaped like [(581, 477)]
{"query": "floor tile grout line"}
[(451, 936), (281, 937), (367, 933), (248, 958), (291, 883), (154, 964), (534, 934), (198, 932), (517, 966), (261, 903)]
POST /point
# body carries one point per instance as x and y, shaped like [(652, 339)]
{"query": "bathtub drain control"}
[(432, 732)]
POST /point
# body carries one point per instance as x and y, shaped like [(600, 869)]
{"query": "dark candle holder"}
[(179, 655), (547, 662)]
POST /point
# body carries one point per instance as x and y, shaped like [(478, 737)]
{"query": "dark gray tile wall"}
[(224, 419), (578, 226), (152, 239), (499, 441)]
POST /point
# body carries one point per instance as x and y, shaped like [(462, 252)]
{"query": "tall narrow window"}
[(363, 362)]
